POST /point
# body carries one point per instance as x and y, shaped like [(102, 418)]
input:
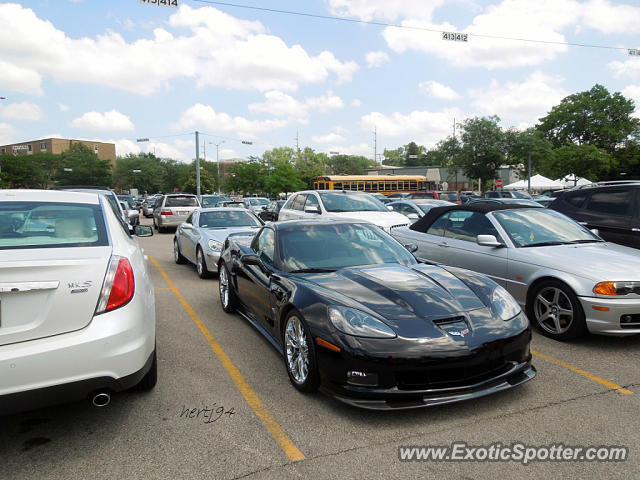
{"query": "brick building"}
[(105, 151)]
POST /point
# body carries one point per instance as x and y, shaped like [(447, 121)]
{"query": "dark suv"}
[(611, 208)]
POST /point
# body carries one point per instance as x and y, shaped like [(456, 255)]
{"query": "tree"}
[(206, 182), (350, 164), (311, 165), (143, 171), (18, 171), (586, 161), (394, 157), (247, 177), (483, 147), (593, 117), (520, 144), (81, 166), (283, 178)]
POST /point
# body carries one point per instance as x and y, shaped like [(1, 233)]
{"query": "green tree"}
[(586, 161), (520, 144), (47, 164), (594, 117), (311, 165), (283, 178), (246, 177), (207, 184), (412, 149), (18, 171), (350, 164), (394, 157), (482, 147), (81, 166), (143, 172)]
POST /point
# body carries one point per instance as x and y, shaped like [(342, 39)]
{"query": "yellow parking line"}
[(261, 411), (584, 373)]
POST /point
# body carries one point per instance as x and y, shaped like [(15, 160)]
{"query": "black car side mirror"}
[(251, 259)]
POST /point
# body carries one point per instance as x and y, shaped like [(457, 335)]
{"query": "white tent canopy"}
[(572, 180), (538, 182)]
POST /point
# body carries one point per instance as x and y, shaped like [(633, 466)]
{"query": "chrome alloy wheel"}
[(176, 251), (199, 262), (297, 350), (224, 286), (553, 310)]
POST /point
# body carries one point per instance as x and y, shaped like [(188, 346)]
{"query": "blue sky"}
[(119, 70)]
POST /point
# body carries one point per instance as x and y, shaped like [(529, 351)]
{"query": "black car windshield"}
[(540, 227), (350, 202), (226, 219), (322, 246), (181, 202)]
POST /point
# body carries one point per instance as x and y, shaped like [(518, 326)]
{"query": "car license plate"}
[(183, 213)]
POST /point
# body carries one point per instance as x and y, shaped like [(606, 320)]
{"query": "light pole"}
[(218, 160)]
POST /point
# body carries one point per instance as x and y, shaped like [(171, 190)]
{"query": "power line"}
[(408, 27)]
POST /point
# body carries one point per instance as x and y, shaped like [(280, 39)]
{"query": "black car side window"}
[(437, 227), (576, 199), (615, 202), (265, 246)]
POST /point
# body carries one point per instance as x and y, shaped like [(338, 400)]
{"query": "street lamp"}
[(218, 160)]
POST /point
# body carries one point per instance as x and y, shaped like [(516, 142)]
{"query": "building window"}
[(30, 147), (95, 148), (4, 150), (43, 146)]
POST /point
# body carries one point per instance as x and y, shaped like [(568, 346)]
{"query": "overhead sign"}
[(247, 142), (634, 51), (162, 3), (456, 37), (413, 156), (142, 140), (499, 183)]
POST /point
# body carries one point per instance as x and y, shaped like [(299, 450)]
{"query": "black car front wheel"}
[(227, 295), (555, 309), (300, 354)]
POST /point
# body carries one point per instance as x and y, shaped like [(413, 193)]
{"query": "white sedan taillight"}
[(118, 287)]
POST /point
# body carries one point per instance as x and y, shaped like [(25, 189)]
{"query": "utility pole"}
[(454, 128), (375, 144), (529, 170), (198, 166)]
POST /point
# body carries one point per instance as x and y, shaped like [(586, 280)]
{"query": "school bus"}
[(385, 184)]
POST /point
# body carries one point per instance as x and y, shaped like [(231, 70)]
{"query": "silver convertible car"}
[(569, 280), (201, 237)]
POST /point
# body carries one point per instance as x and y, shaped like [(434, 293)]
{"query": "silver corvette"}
[(201, 237), (568, 279)]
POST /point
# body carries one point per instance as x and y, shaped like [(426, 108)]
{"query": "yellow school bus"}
[(385, 184)]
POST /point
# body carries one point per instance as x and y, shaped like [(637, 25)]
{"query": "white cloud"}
[(328, 138), (376, 59), (205, 44), (103, 122), (601, 15), (356, 102), (205, 117), (629, 68), (632, 92), (424, 127), (124, 147), (438, 90), (383, 9), (522, 102), (21, 111), (280, 104), (63, 107), (227, 153), (325, 102), (8, 133), (18, 79)]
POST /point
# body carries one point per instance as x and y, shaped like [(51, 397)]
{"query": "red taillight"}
[(166, 212), (118, 287)]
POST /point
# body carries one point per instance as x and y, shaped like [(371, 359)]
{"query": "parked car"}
[(415, 209), (200, 238), (78, 307), (543, 200), (379, 196), (507, 194), (256, 204), (213, 200), (340, 204), (271, 213), (452, 197), (109, 195), (613, 209), (171, 210), (132, 214), (147, 207), (397, 195), (506, 201), (568, 279), (231, 204), (351, 310)]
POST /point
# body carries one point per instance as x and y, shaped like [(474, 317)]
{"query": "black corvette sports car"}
[(354, 314)]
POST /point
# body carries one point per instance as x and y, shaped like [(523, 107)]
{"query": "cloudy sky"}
[(119, 70)]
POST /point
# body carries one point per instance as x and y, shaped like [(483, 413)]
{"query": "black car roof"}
[(292, 224), (423, 224)]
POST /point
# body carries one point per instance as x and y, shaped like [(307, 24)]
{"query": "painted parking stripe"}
[(261, 411), (584, 373)]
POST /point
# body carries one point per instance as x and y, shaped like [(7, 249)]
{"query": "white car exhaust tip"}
[(101, 399)]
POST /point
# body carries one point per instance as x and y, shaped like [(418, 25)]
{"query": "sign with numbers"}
[(635, 52), (456, 37), (162, 3)]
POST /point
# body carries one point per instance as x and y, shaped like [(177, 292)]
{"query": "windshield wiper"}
[(593, 240), (544, 244), (313, 270)]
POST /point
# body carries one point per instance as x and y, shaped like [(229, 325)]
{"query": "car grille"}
[(452, 377)]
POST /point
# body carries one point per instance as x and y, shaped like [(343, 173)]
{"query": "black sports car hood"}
[(410, 299)]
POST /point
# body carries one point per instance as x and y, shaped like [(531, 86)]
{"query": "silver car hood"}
[(597, 261)]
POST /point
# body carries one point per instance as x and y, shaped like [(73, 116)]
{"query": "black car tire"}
[(151, 377), (229, 303), (550, 298), (201, 264), (177, 256), (311, 381)]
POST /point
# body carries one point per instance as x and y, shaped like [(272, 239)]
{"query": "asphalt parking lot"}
[(587, 393)]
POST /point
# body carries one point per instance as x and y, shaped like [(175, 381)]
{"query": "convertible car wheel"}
[(227, 295), (177, 256), (300, 355), (556, 311), (201, 265)]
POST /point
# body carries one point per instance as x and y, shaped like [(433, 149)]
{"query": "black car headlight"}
[(504, 304), (358, 323)]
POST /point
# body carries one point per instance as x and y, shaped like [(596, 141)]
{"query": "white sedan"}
[(77, 305)]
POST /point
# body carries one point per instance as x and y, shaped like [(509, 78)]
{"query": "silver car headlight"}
[(215, 245), (504, 304), (360, 324)]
